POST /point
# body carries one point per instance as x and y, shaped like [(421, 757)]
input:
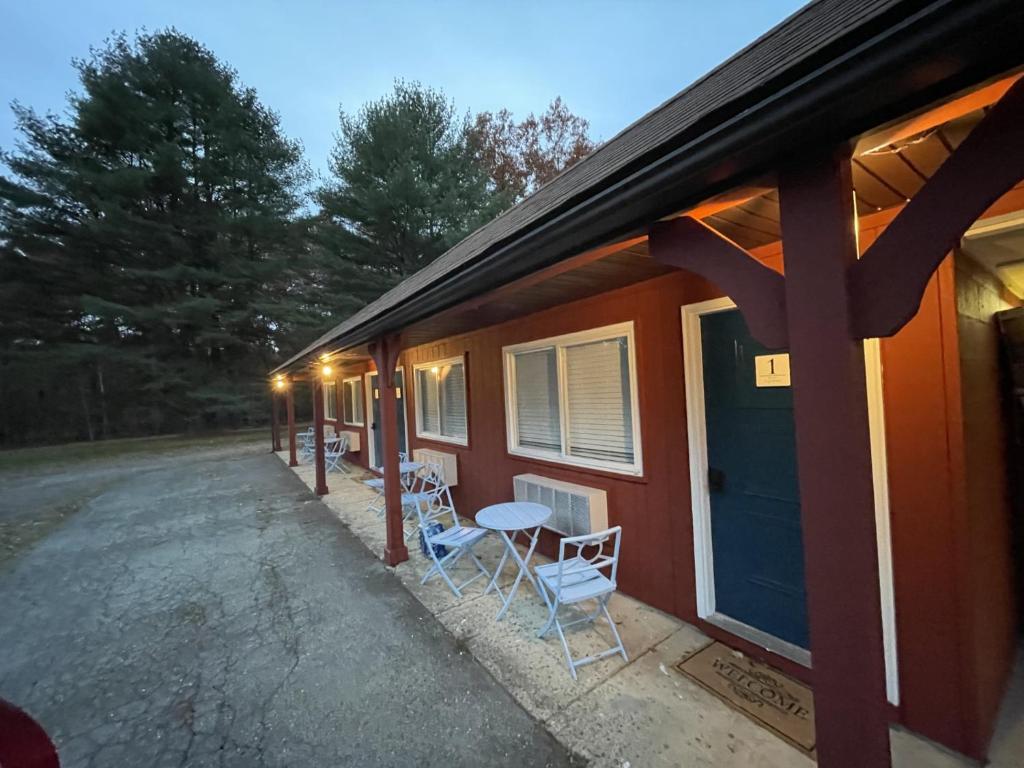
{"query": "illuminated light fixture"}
[(326, 371), (279, 384), (435, 370)]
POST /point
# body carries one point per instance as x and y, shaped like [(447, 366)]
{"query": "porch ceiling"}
[(883, 177)]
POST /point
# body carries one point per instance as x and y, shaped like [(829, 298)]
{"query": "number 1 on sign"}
[(771, 370)]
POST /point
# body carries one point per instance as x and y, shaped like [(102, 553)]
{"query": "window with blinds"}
[(331, 400), (598, 403), (538, 424), (352, 401), (573, 399), (441, 401)]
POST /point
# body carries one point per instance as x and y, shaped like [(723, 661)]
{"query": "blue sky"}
[(610, 61)]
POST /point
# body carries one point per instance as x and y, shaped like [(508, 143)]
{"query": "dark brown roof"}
[(825, 36)]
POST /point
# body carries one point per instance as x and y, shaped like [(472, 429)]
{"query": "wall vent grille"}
[(576, 509)]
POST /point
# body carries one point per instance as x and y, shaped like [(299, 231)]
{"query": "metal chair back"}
[(603, 548)]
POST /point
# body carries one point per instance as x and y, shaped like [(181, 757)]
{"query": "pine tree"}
[(150, 241), (405, 186)]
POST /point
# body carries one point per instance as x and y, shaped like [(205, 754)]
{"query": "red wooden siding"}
[(654, 508)]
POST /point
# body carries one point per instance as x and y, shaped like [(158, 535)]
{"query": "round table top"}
[(409, 466), (513, 516)]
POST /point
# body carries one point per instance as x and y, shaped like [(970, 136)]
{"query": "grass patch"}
[(21, 534), (50, 455)]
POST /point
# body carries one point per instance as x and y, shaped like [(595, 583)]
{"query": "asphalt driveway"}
[(203, 609)]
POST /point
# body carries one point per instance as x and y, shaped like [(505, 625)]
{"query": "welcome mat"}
[(779, 703)]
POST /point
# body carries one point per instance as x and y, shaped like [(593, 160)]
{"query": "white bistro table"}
[(509, 519)]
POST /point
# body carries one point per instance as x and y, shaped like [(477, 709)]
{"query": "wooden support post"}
[(275, 423), (289, 403), (385, 355), (319, 460), (834, 464)]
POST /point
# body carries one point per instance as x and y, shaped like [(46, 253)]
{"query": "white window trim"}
[(461, 359), (359, 388), (326, 389), (636, 469)]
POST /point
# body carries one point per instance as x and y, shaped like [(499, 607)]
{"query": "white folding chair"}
[(376, 504), (575, 578), (334, 452), (428, 483), (432, 503), (308, 444)]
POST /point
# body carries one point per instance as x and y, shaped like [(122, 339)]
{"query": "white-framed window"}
[(331, 400), (441, 400), (352, 401), (573, 399)]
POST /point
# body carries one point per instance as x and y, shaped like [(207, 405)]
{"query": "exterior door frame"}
[(693, 371), (368, 412)]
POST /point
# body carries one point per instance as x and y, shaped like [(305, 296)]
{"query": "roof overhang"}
[(846, 67)]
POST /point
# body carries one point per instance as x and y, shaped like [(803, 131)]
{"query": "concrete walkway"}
[(642, 713), (206, 610)]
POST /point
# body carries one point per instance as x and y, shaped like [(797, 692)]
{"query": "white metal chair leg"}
[(450, 560), (615, 632), (565, 649), (439, 568), (602, 608), (376, 504)]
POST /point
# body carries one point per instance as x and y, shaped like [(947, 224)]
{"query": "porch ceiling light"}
[(326, 371)]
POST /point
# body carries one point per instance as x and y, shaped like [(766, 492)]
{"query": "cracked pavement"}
[(204, 609)]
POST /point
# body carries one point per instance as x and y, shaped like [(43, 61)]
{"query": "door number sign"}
[(771, 370)]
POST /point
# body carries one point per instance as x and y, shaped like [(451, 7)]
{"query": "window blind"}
[(331, 400), (441, 403), (352, 402), (453, 401), (429, 412), (599, 407), (537, 411)]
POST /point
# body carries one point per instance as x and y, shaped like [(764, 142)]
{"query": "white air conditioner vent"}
[(353, 439), (449, 462), (576, 509)]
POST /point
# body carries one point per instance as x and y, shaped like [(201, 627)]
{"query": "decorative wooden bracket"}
[(385, 353), (887, 284), (759, 292)]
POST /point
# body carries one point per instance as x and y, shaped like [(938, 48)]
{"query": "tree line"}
[(163, 243)]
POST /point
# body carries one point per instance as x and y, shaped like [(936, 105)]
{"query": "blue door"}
[(752, 478), (375, 425)]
